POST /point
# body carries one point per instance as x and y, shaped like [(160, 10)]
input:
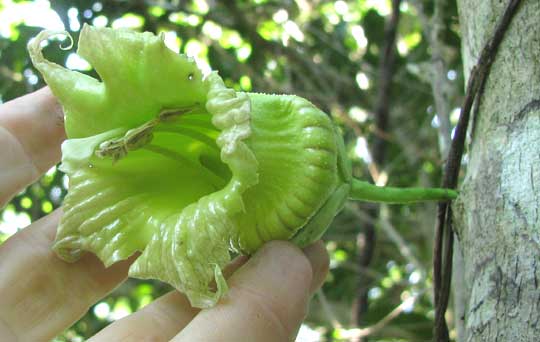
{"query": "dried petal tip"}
[(35, 46)]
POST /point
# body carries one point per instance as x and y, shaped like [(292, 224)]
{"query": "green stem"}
[(364, 191)]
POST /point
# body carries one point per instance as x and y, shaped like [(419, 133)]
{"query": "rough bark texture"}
[(498, 212)]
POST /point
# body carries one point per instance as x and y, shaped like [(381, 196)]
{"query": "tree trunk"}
[(497, 216)]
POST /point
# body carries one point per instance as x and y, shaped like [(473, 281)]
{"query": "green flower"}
[(184, 170)]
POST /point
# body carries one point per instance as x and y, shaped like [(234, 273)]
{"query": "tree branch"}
[(366, 238), (360, 333), (398, 240), (386, 71), (439, 83), (330, 314)]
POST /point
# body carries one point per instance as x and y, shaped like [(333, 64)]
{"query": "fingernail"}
[(319, 260)]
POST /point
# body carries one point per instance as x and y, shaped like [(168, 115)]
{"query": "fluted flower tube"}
[(184, 170)]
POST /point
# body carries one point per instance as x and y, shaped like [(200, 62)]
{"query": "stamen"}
[(142, 136), (216, 179), (169, 114), (197, 123), (131, 141), (190, 133)]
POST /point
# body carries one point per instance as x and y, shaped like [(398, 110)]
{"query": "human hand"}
[(42, 295)]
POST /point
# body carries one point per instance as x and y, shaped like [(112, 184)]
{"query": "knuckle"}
[(264, 308)]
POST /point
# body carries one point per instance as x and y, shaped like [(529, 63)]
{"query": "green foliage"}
[(327, 52)]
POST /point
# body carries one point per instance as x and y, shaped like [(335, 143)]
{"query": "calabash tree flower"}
[(181, 168)]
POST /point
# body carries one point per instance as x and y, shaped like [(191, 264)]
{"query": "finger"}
[(41, 294), (320, 262), (268, 297), (160, 320), (31, 131)]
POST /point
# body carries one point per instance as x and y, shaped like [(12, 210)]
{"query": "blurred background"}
[(388, 72)]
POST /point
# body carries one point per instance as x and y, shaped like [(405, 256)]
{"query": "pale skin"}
[(43, 295)]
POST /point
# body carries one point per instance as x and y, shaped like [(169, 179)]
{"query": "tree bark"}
[(497, 215)]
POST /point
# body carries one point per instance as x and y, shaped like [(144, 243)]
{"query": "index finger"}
[(268, 297), (31, 132)]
